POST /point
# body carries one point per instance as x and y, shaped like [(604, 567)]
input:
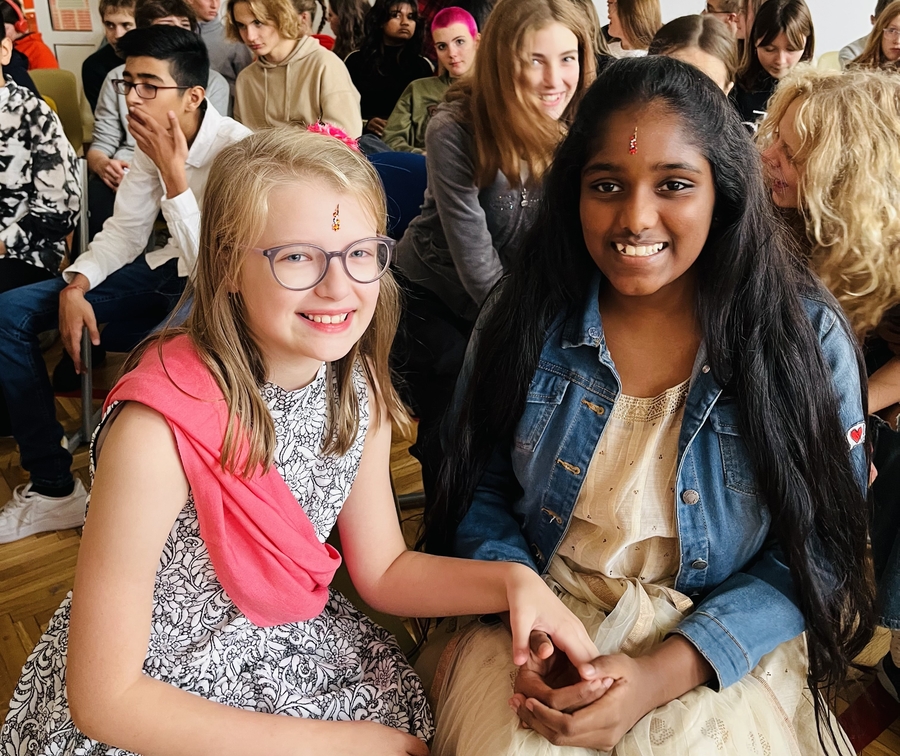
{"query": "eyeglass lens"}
[(302, 266)]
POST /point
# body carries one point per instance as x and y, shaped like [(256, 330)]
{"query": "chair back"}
[(404, 178), (829, 61), (60, 85)]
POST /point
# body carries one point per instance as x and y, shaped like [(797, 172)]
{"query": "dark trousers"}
[(101, 201), (13, 274), (885, 495), (428, 355), (132, 292)]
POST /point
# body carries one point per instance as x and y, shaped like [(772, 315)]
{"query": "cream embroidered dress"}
[(616, 570)]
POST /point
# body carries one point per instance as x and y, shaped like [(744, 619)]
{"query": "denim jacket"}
[(731, 565)]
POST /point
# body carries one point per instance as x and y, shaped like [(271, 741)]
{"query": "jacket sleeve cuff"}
[(718, 646)]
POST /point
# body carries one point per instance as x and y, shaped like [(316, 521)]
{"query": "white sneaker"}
[(28, 512)]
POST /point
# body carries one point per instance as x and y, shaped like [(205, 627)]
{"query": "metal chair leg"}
[(89, 419)]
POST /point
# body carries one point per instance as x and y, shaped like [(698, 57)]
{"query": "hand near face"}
[(166, 147)]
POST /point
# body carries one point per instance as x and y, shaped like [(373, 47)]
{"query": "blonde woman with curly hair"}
[(832, 155), (293, 79), (882, 48)]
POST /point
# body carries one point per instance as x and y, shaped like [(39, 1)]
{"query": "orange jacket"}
[(37, 52)]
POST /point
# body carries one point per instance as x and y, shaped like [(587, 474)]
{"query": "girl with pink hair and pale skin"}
[(456, 39)]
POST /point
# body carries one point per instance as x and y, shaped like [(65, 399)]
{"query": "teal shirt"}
[(405, 130)]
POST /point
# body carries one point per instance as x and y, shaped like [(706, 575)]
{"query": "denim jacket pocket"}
[(736, 462), (544, 395)]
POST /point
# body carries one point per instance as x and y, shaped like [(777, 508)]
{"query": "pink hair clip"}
[(333, 131)]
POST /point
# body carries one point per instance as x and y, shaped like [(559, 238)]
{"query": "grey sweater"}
[(460, 245), (227, 57)]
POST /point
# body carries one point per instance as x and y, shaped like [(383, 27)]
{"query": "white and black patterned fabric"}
[(337, 666), (39, 192)]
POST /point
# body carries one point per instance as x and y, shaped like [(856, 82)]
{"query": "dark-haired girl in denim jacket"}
[(662, 413)]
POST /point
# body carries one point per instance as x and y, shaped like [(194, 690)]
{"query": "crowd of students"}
[(647, 318)]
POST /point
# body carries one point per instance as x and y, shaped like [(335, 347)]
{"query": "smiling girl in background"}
[(293, 79), (534, 62), (882, 49), (663, 414), (456, 41), (389, 59), (781, 37)]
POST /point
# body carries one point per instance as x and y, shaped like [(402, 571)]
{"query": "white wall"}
[(837, 22)]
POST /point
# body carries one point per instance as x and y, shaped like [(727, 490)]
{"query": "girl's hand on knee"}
[(552, 679), (534, 607)]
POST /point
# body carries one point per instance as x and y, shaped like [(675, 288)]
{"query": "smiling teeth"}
[(631, 251), (327, 319)]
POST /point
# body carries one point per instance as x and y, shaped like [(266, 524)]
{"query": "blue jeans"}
[(132, 292), (885, 494)]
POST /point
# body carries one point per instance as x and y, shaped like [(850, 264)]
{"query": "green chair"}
[(61, 87)]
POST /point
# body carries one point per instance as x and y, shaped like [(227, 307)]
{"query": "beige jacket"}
[(312, 83)]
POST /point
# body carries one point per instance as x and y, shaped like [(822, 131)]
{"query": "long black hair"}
[(762, 349), (373, 48)]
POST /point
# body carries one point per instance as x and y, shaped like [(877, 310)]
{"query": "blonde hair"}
[(848, 164), (281, 14), (494, 95), (640, 20), (872, 55), (235, 212)]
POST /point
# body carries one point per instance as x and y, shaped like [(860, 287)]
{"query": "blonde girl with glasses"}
[(201, 621), (882, 49)]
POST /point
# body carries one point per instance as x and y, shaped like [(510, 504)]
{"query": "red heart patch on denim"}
[(856, 435)]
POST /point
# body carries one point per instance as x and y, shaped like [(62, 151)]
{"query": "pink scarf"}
[(262, 545)]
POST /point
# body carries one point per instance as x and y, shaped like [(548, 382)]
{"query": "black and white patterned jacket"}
[(39, 188)]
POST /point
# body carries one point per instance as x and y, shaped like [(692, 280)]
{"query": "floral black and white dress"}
[(337, 666)]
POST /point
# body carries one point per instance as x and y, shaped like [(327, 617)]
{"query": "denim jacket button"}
[(690, 496), (699, 564), (593, 333), (705, 368)]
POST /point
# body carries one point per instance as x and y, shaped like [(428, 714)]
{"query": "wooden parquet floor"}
[(37, 572)]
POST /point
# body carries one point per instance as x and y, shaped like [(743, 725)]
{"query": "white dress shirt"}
[(141, 196)]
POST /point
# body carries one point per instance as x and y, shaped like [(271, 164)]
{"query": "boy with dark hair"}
[(118, 20), (177, 135), (852, 51), (111, 152)]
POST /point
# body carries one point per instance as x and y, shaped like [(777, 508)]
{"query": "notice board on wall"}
[(70, 15)]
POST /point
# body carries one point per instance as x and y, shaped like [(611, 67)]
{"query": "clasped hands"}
[(591, 704)]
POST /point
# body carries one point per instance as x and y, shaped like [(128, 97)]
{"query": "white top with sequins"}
[(624, 521)]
